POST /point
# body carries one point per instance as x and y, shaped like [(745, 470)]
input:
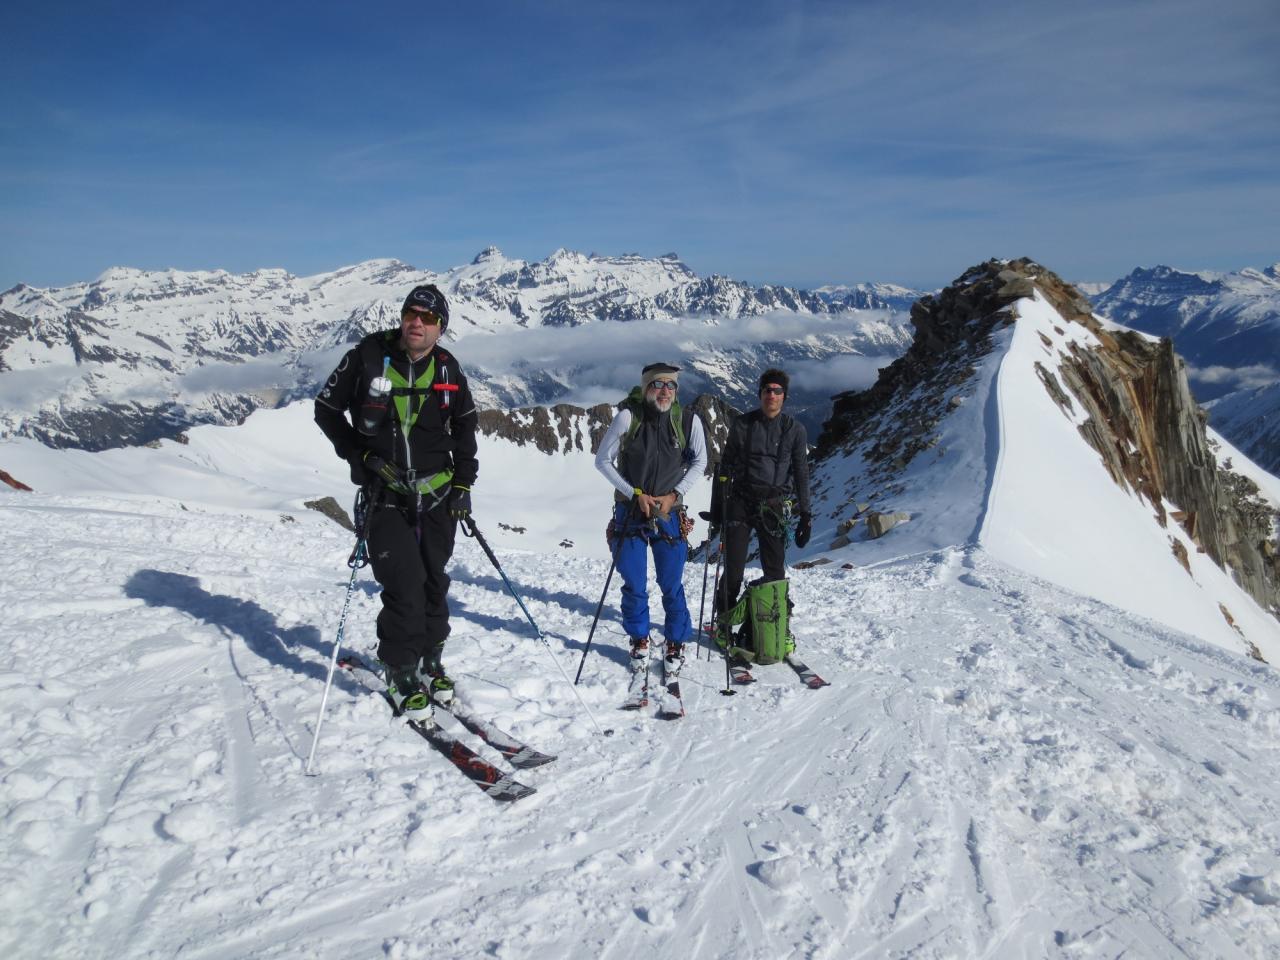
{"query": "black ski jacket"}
[(765, 459), (443, 431)]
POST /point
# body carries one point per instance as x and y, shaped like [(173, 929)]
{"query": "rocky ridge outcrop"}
[(1138, 415)]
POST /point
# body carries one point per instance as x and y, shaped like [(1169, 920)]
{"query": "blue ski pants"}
[(669, 553)]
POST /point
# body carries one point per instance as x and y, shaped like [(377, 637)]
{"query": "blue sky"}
[(792, 142)]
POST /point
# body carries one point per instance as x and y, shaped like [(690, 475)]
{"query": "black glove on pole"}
[(804, 530)]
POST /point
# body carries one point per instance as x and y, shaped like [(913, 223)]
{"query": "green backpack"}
[(681, 420), (764, 614)]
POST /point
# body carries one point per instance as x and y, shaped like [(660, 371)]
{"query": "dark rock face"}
[(1141, 417)]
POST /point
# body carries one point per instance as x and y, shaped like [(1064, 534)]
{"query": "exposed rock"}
[(878, 524), (808, 564), (1180, 553), (16, 484), (331, 509), (841, 541)]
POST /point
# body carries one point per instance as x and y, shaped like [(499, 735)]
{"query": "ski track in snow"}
[(1000, 769)]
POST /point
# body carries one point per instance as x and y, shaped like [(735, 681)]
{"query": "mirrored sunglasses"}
[(426, 316)]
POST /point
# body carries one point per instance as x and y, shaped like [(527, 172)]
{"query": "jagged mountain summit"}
[(1226, 325), (1021, 424), (137, 355)]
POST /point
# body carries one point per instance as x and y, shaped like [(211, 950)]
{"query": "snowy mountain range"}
[(1227, 326), (136, 355), (1047, 732)]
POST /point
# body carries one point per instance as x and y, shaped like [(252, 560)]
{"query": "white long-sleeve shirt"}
[(606, 457)]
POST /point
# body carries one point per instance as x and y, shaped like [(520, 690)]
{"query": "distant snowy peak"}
[(870, 296), (1225, 324), (127, 357)]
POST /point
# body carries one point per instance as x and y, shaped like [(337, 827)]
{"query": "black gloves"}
[(374, 465), (804, 530), (460, 502)]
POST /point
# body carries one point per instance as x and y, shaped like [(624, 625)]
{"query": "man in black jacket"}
[(411, 440), (766, 461)]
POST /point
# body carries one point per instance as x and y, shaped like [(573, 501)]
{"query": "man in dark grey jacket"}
[(766, 461)]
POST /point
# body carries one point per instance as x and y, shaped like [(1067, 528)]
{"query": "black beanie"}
[(428, 297), (774, 375)]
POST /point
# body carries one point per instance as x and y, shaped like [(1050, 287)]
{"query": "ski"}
[(514, 751), (496, 783), (671, 706), (638, 686), (806, 673), (740, 673)]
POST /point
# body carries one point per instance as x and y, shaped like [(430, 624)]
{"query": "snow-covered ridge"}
[(1075, 452), (137, 355)]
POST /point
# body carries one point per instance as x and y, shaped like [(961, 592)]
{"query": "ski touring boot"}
[(439, 685), (638, 687), (673, 661), (407, 694)]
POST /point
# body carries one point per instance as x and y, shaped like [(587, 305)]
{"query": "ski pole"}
[(617, 548), (728, 690), (702, 601), (359, 557), (471, 530)]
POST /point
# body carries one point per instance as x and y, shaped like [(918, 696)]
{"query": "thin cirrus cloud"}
[(800, 143)]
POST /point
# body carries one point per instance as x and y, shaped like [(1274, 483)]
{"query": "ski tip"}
[(509, 791)]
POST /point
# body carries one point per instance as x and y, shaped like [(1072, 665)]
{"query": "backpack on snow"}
[(765, 615)]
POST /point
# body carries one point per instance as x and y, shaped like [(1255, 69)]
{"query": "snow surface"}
[(1002, 767), (1021, 754)]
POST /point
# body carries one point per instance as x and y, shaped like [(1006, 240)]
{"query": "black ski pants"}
[(408, 560), (743, 520)]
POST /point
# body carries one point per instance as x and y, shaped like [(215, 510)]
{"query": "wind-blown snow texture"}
[(1002, 767)]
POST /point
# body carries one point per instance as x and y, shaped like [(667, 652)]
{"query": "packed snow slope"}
[(1010, 471), (1001, 767)]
